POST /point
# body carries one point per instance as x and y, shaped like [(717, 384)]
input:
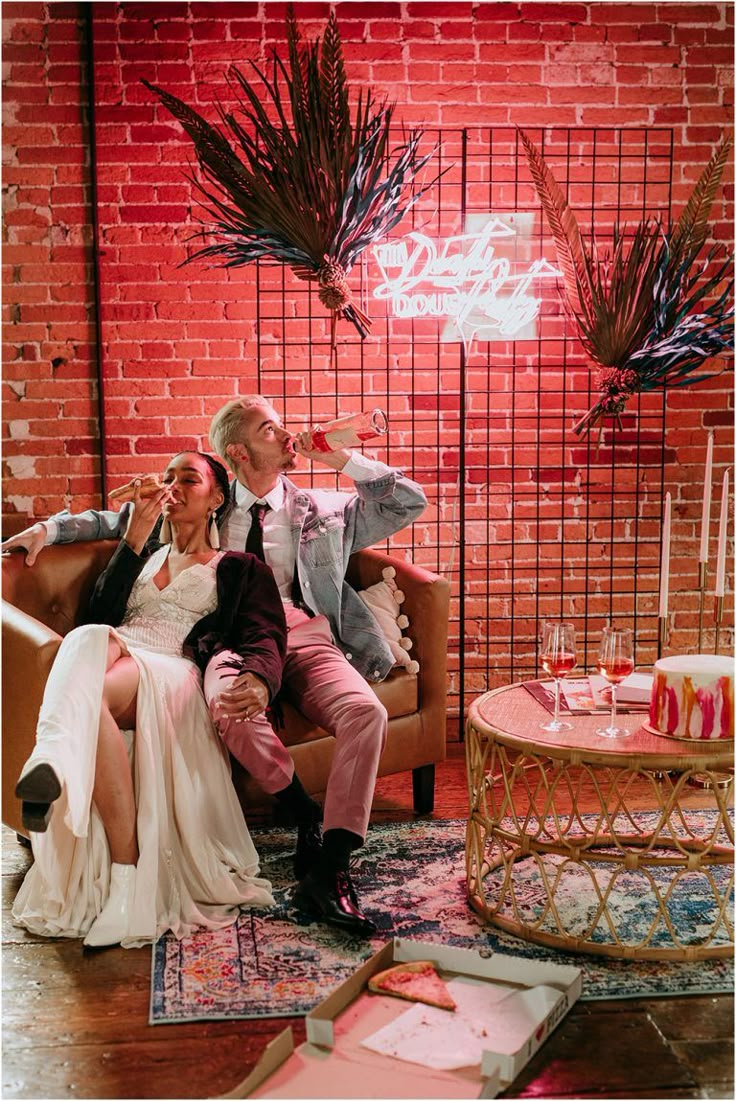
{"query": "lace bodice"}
[(160, 619)]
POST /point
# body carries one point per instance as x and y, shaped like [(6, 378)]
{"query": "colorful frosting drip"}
[(658, 703), (683, 709), (707, 703), (726, 685)]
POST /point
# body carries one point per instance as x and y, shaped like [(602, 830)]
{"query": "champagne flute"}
[(558, 658), (615, 662)]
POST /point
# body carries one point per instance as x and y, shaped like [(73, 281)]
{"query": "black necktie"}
[(254, 542), (254, 545)]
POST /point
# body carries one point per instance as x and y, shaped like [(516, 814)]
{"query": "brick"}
[(659, 32), (416, 28), (650, 96), (710, 55), (689, 13), (164, 445), (488, 11), (176, 32), (455, 29), (524, 32), (158, 214), (589, 34), (553, 13), (509, 53)]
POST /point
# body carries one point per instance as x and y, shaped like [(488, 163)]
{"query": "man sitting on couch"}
[(335, 647)]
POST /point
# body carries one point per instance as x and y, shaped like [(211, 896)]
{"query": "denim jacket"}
[(327, 527)]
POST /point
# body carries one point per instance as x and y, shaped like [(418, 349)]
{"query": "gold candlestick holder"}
[(718, 619), (702, 583), (663, 634)]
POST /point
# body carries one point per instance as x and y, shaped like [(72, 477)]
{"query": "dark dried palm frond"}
[(293, 178), (571, 252), (649, 313), (690, 231)]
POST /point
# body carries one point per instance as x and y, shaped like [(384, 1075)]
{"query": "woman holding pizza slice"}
[(135, 833)]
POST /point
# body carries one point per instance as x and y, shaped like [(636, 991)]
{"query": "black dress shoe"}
[(308, 848), (37, 791), (333, 901)]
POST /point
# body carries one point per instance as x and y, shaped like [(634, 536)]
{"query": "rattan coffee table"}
[(565, 802)]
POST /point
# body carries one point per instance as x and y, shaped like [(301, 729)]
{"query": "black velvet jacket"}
[(249, 618)]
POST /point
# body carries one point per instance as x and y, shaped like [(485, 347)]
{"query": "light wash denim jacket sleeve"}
[(83, 527), (327, 527)]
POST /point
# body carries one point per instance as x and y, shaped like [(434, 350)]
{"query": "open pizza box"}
[(506, 1009)]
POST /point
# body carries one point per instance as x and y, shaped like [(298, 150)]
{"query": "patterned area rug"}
[(411, 880)]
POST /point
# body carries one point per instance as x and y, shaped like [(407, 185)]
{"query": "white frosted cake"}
[(692, 697)]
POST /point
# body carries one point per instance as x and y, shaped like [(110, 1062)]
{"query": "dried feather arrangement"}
[(649, 313), (305, 185)]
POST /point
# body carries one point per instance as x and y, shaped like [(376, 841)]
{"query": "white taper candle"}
[(722, 536), (705, 522)]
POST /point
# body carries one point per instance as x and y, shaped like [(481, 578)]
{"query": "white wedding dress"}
[(197, 862)]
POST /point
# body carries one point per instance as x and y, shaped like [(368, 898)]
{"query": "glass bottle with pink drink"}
[(352, 431)]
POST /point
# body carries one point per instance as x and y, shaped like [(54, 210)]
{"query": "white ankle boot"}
[(112, 924)]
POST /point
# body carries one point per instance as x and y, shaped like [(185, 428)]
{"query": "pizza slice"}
[(150, 485), (417, 981)]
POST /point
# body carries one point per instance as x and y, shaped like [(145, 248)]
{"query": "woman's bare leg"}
[(113, 788)]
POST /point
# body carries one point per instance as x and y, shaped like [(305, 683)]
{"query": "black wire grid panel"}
[(527, 520)]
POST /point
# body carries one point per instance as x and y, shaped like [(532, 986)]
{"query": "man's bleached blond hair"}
[(226, 426)]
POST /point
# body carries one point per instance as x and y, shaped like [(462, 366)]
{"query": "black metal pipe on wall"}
[(89, 44)]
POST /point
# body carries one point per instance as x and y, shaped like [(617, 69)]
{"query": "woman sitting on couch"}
[(139, 832)]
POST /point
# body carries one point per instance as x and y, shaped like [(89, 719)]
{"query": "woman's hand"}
[(145, 513), (246, 698)]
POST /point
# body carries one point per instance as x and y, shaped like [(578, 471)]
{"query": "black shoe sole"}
[(308, 914), (307, 917), (38, 790)]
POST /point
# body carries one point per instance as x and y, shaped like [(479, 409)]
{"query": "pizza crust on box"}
[(417, 981), (150, 485)]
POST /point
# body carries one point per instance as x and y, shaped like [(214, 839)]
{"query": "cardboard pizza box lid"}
[(333, 1062)]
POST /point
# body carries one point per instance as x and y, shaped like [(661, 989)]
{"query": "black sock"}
[(296, 800), (337, 845)]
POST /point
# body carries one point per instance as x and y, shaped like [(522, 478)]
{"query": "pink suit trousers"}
[(320, 681)]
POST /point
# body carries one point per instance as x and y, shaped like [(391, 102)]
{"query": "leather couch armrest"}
[(29, 649)]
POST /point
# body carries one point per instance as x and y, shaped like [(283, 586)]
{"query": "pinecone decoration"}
[(333, 285), (616, 385), (615, 381)]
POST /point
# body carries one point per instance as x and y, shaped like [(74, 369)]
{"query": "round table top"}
[(513, 717)]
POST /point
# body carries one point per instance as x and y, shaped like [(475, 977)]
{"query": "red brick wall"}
[(178, 342), (50, 433)]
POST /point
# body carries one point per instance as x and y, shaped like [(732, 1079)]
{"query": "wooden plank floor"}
[(75, 1024)]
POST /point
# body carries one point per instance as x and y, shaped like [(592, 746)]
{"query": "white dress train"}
[(197, 862)]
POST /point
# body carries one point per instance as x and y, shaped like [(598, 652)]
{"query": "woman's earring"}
[(214, 533), (164, 534)]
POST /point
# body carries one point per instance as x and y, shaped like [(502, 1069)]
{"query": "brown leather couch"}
[(41, 603)]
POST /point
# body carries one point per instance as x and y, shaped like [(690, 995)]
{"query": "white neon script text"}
[(462, 278)]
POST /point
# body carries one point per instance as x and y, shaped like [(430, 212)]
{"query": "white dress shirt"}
[(278, 548)]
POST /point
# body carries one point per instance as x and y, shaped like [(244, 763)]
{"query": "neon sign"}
[(480, 281)]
